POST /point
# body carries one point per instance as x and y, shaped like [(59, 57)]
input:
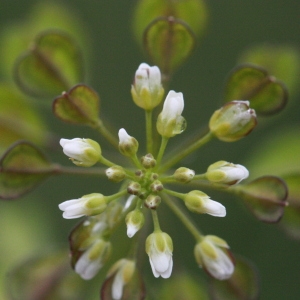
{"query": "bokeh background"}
[(33, 224)]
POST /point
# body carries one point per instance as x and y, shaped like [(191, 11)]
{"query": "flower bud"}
[(184, 175), (156, 186), (88, 205), (213, 255), (148, 161), (93, 259), (147, 91), (115, 173), (159, 247), (170, 122), (122, 271), (152, 201), (82, 152), (134, 221), (128, 145), (134, 188), (233, 121), (199, 202), (225, 172)]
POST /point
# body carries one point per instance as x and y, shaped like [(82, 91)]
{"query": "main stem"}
[(185, 152)]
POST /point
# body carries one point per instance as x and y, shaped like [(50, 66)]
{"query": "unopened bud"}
[(128, 145), (134, 221), (184, 175), (233, 121), (115, 173), (156, 186), (134, 188), (152, 201), (148, 161)]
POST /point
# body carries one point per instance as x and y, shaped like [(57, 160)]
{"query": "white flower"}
[(170, 122), (225, 172), (147, 90), (82, 152), (159, 247), (92, 259), (122, 271), (87, 205), (199, 202), (212, 254), (128, 145)]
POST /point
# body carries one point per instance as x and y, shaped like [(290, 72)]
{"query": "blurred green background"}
[(34, 224)]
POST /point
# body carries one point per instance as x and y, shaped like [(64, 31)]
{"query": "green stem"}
[(175, 194), (116, 196), (106, 162), (183, 218), (148, 114), (163, 145), (106, 133), (155, 220), (200, 176), (185, 152), (136, 161)]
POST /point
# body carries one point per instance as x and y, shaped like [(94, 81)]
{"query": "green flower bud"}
[(152, 201), (148, 161), (233, 121), (156, 186), (184, 175), (115, 173), (134, 188)]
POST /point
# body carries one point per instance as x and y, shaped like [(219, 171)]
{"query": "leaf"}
[(266, 94), (243, 284), (266, 197), (291, 219), (168, 42), (51, 65), (22, 168), (192, 12), (80, 105), (133, 290), (283, 61), (45, 277), (18, 120)]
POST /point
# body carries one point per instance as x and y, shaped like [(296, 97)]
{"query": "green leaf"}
[(45, 277), (266, 197), (51, 65), (244, 283), (80, 105), (18, 120), (283, 61), (22, 168), (291, 219), (192, 12), (169, 42), (266, 94)]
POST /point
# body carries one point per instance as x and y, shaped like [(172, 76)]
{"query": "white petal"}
[(131, 230), (168, 272), (214, 208), (161, 261), (117, 286), (155, 273), (86, 268), (123, 136), (66, 204)]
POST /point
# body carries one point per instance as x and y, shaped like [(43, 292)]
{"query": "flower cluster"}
[(146, 184)]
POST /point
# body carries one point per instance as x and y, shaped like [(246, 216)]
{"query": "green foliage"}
[(51, 65), (80, 105), (22, 168), (266, 197), (266, 94)]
